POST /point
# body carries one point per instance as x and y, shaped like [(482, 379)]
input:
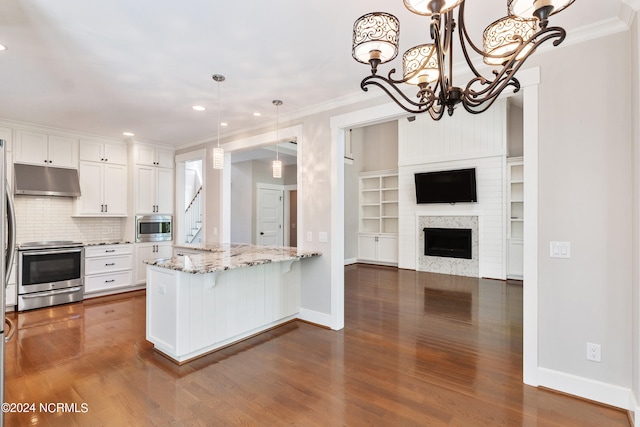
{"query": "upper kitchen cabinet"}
[(154, 190), (153, 156), (95, 151), (47, 150), (103, 188)]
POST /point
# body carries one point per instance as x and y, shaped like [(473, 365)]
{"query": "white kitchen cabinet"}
[(151, 250), (378, 248), (95, 151), (48, 150), (6, 134), (107, 269), (153, 156), (103, 188), (154, 190)]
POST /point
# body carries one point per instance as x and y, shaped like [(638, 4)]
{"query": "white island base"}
[(190, 315)]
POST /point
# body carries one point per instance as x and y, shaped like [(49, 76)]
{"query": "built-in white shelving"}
[(515, 217)]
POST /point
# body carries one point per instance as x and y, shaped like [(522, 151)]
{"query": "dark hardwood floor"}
[(417, 349)]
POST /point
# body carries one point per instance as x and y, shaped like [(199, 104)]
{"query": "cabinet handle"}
[(109, 264), (102, 160), (101, 208), (109, 281), (106, 160), (106, 208), (109, 250)]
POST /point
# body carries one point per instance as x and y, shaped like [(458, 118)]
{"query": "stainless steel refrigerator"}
[(8, 237)]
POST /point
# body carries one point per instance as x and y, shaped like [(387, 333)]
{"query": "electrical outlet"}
[(594, 352)]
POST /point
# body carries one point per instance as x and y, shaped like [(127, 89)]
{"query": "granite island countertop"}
[(229, 256)]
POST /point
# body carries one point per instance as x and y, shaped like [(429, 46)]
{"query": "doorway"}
[(189, 221)]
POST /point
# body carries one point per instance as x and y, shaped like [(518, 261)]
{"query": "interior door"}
[(270, 217)]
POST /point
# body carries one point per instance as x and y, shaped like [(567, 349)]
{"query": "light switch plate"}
[(309, 236), (560, 250), (323, 237)]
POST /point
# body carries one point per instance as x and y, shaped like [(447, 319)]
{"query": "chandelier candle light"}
[(507, 43), (277, 163), (218, 152)]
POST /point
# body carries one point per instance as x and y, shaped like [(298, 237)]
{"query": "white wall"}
[(635, 109), (461, 141), (242, 202), (585, 191)]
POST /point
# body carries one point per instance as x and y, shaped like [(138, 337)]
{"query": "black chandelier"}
[(507, 43)]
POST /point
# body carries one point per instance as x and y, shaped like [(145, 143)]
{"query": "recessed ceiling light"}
[(198, 108), (3, 47), (257, 114), (128, 133), (224, 124)]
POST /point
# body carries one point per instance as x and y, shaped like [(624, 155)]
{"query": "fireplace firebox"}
[(448, 242)]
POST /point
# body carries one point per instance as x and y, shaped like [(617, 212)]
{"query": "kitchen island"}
[(198, 303)]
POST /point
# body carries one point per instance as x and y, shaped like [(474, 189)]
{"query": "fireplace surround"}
[(448, 265)]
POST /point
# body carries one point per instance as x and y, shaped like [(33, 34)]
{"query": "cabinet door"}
[(367, 247), (149, 251), (145, 189), (115, 189), (116, 154), (6, 134), (515, 259), (91, 183), (143, 251), (63, 152), (388, 249), (145, 155), (91, 151), (164, 158), (31, 147), (164, 189)]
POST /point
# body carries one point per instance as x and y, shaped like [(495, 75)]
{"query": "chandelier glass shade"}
[(507, 43)]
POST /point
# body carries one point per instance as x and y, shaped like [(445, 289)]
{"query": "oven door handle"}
[(51, 293), (51, 252)]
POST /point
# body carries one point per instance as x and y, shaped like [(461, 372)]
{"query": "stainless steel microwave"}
[(153, 228)]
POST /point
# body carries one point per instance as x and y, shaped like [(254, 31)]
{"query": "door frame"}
[(178, 217)]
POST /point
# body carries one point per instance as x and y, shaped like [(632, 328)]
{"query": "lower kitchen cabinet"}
[(151, 250), (107, 269)]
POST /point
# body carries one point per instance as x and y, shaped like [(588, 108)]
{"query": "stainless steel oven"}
[(153, 228), (50, 273)]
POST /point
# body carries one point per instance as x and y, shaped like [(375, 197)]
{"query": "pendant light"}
[(218, 152), (277, 164)]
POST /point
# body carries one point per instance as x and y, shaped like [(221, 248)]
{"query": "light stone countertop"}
[(221, 257)]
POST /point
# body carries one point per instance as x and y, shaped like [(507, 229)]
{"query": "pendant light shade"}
[(276, 166), (502, 38), (218, 158), (218, 152)]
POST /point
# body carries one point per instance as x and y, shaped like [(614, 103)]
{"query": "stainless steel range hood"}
[(46, 181)]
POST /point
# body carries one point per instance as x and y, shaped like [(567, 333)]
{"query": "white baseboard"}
[(634, 413), (322, 319), (350, 261), (586, 388)]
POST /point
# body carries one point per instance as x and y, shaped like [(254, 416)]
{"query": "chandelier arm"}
[(435, 34), (462, 36), (505, 77), (384, 83)]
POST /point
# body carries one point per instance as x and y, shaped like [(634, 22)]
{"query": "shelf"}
[(379, 202)]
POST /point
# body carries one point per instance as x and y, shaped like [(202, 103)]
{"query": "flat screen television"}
[(449, 186)]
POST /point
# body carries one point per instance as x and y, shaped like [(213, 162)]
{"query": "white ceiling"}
[(105, 67)]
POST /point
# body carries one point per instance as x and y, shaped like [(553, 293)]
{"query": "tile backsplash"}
[(50, 218)]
